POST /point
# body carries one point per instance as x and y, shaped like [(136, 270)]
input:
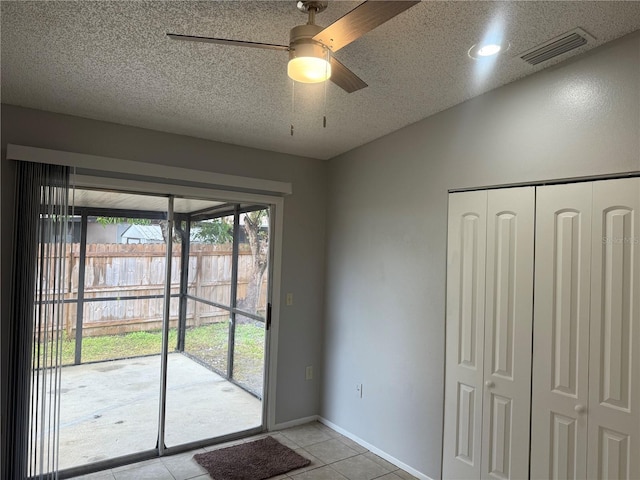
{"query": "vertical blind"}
[(33, 408)]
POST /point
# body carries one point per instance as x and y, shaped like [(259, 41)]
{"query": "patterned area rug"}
[(256, 460)]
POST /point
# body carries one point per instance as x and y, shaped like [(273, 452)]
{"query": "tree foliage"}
[(216, 231), (104, 221)]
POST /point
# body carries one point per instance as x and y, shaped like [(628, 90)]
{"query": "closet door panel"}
[(508, 336), (614, 369), (466, 253), (561, 332)]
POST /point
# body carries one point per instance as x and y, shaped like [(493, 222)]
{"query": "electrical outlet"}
[(308, 373), (289, 299), (359, 390)]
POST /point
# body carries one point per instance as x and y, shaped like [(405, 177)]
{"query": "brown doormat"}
[(257, 460)]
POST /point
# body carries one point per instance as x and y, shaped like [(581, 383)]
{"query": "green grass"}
[(208, 343), (111, 347)]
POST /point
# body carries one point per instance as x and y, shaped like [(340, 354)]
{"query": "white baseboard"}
[(295, 423), (374, 449)]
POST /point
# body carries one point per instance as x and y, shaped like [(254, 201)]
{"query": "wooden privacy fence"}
[(120, 270)]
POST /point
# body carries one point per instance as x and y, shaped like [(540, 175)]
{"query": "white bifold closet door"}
[(466, 258), (613, 436), (561, 332), (489, 314), (586, 373), (507, 337)]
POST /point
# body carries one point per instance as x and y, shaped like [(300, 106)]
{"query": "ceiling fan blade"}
[(224, 41), (345, 78), (362, 19)]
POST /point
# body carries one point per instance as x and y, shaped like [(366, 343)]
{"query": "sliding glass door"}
[(226, 304), (111, 385), (162, 347), (251, 306)]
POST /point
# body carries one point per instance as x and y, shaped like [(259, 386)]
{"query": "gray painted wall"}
[(386, 232), (304, 227)]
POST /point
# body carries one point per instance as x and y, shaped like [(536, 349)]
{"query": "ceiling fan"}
[(311, 47)]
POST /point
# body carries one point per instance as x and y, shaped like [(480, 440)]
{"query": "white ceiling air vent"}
[(557, 46)]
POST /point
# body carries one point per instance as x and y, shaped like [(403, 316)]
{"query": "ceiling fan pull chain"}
[(326, 69), (293, 99)]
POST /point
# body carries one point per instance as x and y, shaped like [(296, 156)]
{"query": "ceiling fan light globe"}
[(309, 69)]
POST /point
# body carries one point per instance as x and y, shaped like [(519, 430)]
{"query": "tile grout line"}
[(296, 446)]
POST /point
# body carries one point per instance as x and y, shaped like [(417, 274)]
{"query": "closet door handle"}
[(489, 384), (580, 408)]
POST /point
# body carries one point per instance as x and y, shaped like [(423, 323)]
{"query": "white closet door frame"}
[(561, 332), (508, 333), (614, 369), (466, 253)]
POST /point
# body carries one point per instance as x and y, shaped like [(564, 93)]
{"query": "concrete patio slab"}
[(110, 409)]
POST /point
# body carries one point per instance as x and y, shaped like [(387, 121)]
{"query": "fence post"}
[(185, 235), (69, 290), (81, 271), (198, 279)]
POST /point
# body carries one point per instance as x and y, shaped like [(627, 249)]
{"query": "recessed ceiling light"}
[(483, 50), (488, 50)]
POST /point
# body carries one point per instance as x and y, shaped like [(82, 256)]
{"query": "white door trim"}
[(129, 168)]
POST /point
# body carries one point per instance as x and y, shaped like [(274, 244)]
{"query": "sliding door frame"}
[(276, 206), (220, 211), (138, 177)]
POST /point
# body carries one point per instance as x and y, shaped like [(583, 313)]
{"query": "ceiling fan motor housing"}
[(301, 43)]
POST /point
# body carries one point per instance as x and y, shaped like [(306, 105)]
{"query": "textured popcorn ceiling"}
[(111, 60)]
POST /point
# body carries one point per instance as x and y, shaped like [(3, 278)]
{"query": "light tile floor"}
[(333, 457)]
